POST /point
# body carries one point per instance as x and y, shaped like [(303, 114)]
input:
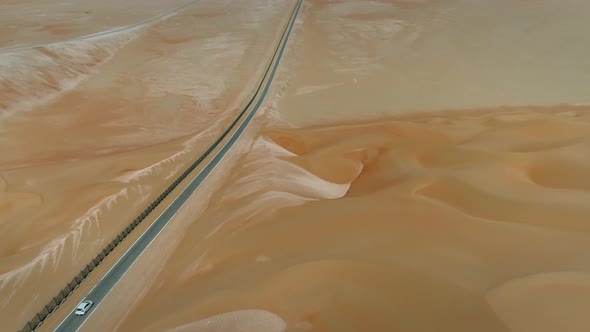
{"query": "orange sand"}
[(432, 220), (355, 202), (439, 228), (92, 130)]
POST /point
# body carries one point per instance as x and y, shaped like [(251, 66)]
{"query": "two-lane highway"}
[(103, 287)]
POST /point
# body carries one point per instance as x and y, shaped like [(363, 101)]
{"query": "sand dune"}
[(239, 321), (93, 129), (560, 296), (417, 166), (432, 220), (33, 77)]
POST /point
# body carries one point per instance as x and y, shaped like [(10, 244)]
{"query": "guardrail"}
[(65, 292)]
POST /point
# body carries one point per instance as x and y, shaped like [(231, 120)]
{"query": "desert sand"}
[(420, 167), (38, 22), (92, 129), (452, 221), (417, 166)]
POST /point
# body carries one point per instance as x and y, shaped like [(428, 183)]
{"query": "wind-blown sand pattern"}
[(92, 129), (38, 22), (400, 56), (36, 76), (395, 225), (416, 166), (350, 212), (239, 321)]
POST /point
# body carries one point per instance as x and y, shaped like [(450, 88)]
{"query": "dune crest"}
[(33, 77), (94, 128), (433, 217), (236, 321), (544, 302)]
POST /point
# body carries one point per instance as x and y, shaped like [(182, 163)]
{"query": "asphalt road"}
[(103, 287)]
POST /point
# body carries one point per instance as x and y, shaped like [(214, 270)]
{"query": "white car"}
[(83, 307)]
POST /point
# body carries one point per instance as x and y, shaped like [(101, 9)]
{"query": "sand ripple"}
[(32, 77), (542, 302), (436, 222), (238, 321)]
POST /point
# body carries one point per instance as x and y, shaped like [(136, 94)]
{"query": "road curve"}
[(103, 287)]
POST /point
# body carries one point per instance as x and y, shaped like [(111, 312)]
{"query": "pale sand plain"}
[(92, 130), (35, 22), (418, 166)]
